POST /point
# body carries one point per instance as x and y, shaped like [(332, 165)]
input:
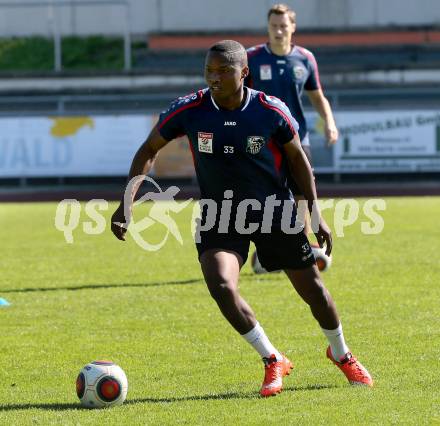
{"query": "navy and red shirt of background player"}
[(284, 77), (239, 150)]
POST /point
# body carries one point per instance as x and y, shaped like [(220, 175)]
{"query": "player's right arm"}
[(171, 124), (141, 165)]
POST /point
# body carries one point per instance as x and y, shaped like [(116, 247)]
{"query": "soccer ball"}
[(101, 384), (323, 262)]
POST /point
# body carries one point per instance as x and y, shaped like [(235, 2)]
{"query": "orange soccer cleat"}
[(355, 372), (274, 371)]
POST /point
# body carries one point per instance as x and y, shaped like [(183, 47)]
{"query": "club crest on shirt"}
[(205, 142), (299, 72), (265, 72), (254, 144)]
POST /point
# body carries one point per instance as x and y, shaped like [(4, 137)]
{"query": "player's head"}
[(226, 68), (281, 24)]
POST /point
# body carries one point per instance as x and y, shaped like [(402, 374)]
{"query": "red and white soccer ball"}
[(101, 384), (323, 262)]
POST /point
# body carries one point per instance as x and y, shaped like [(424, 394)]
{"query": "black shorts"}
[(292, 184), (276, 250)]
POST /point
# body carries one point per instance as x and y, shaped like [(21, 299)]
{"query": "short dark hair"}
[(281, 9), (233, 50)]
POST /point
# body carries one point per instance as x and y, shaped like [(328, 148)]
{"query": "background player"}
[(282, 69), (247, 161)]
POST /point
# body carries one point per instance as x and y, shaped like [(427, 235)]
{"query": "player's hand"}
[(331, 134), (119, 223), (324, 236)]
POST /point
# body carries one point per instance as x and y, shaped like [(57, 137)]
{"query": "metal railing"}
[(54, 19), (79, 104)]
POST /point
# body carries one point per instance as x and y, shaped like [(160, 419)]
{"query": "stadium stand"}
[(335, 51), (360, 69)]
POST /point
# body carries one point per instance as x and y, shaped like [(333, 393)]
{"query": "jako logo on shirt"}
[(230, 123), (205, 142)]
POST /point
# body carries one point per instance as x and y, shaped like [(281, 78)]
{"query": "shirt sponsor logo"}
[(205, 142), (230, 123), (265, 72), (254, 144)]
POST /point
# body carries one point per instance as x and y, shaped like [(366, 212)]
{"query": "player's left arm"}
[(322, 106), (302, 174)]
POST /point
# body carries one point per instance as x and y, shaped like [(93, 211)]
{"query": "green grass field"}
[(99, 298)]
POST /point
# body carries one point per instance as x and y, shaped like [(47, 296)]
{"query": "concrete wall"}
[(210, 15)]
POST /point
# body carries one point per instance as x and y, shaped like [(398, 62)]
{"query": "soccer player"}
[(244, 144), (282, 69)]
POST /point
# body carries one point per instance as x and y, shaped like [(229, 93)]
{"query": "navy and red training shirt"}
[(285, 77), (239, 150)]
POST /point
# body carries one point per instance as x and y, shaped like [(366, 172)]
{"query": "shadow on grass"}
[(224, 396), (100, 286), (171, 400), (54, 407), (105, 286)]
